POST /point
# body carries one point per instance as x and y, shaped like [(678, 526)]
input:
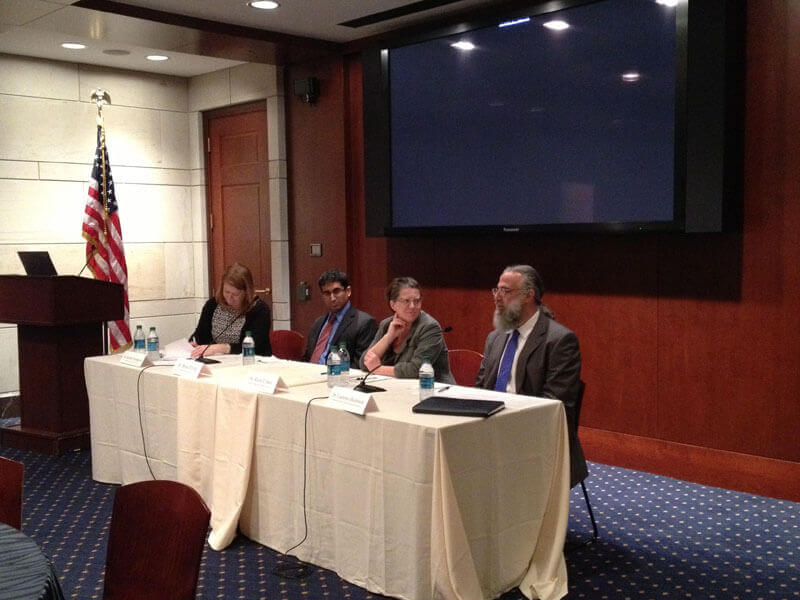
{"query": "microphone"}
[(204, 360), (369, 389)]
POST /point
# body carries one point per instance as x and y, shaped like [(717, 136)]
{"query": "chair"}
[(158, 530), (578, 405), (11, 473), (287, 344), (464, 365)]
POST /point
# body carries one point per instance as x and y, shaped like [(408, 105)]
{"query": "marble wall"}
[(154, 139)]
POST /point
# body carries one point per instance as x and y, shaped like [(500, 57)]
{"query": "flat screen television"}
[(611, 115)]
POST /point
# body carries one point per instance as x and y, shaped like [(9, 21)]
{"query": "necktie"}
[(322, 341), (504, 372)]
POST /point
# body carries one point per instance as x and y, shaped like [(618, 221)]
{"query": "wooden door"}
[(238, 193)]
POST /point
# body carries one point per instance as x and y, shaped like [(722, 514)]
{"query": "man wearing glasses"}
[(530, 353), (341, 323)]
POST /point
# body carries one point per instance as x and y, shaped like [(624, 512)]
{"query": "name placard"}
[(263, 383), (188, 368), (350, 400), (134, 359)]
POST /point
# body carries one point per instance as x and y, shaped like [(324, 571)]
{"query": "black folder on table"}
[(465, 407)]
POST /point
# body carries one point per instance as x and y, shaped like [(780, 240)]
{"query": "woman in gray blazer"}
[(407, 337)]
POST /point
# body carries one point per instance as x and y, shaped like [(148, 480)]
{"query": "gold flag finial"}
[(101, 98)]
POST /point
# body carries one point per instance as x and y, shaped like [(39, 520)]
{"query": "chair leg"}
[(591, 513)]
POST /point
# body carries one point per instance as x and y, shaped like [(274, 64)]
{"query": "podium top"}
[(61, 300)]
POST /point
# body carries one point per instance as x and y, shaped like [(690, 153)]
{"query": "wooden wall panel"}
[(688, 341)]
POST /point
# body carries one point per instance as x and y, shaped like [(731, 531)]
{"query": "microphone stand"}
[(369, 389)]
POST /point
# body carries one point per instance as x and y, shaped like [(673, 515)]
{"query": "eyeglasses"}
[(410, 301), (333, 292), (503, 291)]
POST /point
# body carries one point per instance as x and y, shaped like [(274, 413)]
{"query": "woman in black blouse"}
[(234, 310)]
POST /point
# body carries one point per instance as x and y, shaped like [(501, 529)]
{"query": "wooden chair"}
[(11, 474), (158, 530), (464, 365), (287, 344)]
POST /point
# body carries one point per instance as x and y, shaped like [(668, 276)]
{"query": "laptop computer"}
[(37, 263)]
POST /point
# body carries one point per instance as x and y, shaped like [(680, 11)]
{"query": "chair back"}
[(11, 474), (287, 344), (158, 530), (464, 365)]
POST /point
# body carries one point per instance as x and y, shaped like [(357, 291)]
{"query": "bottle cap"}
[(248, 333)]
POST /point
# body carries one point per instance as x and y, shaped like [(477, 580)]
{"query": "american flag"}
[(105, 255)]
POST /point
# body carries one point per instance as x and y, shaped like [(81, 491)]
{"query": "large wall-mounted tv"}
[(615, 115)]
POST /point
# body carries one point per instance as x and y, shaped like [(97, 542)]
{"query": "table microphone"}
[(205, 360), (369, 389)]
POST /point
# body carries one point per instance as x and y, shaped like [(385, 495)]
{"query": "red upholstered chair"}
[(11, 473), (287, 344), (158, 529), (464, 365)]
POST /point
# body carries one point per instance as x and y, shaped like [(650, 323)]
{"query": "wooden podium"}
[(59, 323)]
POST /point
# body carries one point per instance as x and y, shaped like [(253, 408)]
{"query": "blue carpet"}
[(659, 538)]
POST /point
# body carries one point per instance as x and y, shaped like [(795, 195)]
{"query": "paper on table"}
[(178, 349)]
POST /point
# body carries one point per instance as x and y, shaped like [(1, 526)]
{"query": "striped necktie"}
[(322, 341)]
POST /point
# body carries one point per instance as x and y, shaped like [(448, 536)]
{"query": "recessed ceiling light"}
[(73, 46), (264, 4), (631, 76), (557, 25), (116, 52), (670, 3), (463, 45), (157, 57)]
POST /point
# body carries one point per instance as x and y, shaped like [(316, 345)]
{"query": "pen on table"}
[(441, 389)]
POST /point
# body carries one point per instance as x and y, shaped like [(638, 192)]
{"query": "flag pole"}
[(101, 98)]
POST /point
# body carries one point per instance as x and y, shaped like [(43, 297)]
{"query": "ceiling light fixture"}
[(557, 25), (264, 4), (463, 45), (670, 3), (73, 46), (631, 76), (157, 57)]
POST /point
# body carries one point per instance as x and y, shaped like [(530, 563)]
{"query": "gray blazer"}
[(424, 339), (549, 366)]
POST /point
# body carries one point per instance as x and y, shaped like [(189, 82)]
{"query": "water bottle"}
[(152, 345), (248, 349), (334, 368), (426, 379), (138, 340), (344, 358)]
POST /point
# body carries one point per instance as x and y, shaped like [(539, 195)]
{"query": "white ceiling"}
[(38, 27)]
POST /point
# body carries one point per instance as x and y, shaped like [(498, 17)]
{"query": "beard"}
[(509, 317)]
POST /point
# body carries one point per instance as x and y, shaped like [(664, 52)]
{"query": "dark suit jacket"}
[(356, 330), (549, 366)]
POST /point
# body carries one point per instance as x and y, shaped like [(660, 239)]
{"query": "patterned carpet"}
[(659, 538)]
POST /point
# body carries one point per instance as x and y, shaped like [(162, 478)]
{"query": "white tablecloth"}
[(408, 505)]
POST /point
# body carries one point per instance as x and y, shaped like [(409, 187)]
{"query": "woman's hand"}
[(397, 329), (210, 349), (371, 360)]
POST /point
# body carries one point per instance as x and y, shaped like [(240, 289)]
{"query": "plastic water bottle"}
[(426, 379), (152, 345), (138, 340), (248, 349), (334, 368), (344, 358)]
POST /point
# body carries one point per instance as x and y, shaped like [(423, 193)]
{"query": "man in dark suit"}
[(530, 353), (341, 323)]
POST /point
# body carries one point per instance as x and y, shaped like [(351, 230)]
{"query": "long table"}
[(403, 504)]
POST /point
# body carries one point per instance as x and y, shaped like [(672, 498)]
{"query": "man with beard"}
[(530, 353)]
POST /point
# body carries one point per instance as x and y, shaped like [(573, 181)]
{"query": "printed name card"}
[(134, 359), (263, 383), (350, 400), (188, 368)]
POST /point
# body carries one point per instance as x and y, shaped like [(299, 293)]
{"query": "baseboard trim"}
[(720, 468)]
